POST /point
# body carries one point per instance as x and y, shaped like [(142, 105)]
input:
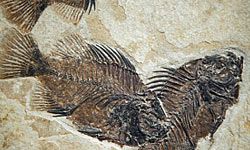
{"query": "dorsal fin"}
[(76, 46), (73, 10), (175, 88), (169, 80), (83, 4), (100, 63)]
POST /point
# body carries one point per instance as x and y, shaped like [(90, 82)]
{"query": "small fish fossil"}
[(25, 13), (98, 89)]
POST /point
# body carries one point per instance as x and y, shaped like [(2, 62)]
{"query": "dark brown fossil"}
[(98, 89), (25, 13)]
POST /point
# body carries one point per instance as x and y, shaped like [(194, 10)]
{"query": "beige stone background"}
[(152, 33)]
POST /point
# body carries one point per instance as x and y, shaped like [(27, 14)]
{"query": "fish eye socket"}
[(234, 66)]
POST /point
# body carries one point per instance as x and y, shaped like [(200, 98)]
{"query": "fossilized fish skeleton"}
[(25, 13), (97, 88)]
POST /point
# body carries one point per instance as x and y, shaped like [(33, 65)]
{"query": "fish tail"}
[(20, 56), (24, 13)]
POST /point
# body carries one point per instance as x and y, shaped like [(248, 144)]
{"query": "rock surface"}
[(152, 34)]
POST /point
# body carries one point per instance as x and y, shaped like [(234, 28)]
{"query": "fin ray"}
[(107, 64), (23, 13), (20, 56), (73, 11)]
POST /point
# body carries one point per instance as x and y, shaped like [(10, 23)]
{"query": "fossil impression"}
[(25, 13), (98, 89)]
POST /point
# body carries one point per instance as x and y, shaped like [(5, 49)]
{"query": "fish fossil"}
[(25, 13), (98, 89)]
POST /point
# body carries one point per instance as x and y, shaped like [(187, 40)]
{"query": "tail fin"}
[(20, 56), (23, 13)]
